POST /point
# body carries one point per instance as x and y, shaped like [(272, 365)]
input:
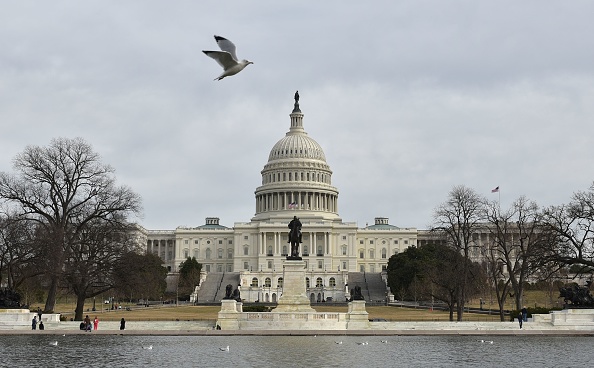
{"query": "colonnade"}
[(314, 201), (164, 248), (278, 242)]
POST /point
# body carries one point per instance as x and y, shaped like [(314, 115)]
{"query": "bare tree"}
[(89, 268), (573, 225), (64, 188), (18, 254), (458, 220), (517, 237)]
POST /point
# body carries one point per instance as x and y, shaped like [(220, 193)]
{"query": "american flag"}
[(495, 190), (292, 205)]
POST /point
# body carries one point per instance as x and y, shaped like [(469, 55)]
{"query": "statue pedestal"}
[(358, 316), (228, 318), (294, 298)]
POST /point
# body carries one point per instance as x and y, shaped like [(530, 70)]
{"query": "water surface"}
[(294, 351)]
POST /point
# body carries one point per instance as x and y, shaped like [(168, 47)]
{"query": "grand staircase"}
[(212, 289), (373, 287)]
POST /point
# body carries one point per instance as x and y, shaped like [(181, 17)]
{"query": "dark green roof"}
[(212, 226), (382, 227)]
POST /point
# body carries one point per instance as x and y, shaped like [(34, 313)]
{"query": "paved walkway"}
[(205, 328)]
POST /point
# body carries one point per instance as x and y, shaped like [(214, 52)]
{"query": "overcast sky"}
[(407, 98)]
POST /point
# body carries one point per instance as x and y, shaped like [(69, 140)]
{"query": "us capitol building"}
[(296, 181)]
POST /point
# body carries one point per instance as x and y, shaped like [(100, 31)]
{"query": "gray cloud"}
[(407, 99)]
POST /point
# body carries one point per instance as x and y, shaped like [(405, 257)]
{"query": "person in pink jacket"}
[(95, 323)]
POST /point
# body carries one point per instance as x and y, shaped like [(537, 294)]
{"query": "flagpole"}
[(498, 190)]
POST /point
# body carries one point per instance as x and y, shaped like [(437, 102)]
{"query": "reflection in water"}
[(294, 351)]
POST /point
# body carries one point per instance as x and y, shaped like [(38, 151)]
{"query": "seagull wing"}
[(223, 58), (226, 45)]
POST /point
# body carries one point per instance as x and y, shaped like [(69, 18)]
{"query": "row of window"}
[(230, 242), (383, 242), (220, 252), (298, 176), (186, 241), (320, 265), (208, 253), (279, 282)]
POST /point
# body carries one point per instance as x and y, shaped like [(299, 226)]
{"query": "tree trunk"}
[(80, 307), (460, 306), (50, 302)]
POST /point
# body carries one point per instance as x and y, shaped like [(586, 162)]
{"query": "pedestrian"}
[(39, 313), (520, 319), (95, 323), (34, 323), (87, 323), (123, 324), (41, 326), (525, 314)]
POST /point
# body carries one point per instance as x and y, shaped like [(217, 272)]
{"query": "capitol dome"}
[(296, 177), (296, 146)]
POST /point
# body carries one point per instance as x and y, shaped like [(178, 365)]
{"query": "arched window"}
[(270, 250), (220, 253), (279, 283), (284, 250), (246, 250), (361, 253), (267, 282), (320, 250), (208, 251), (305, 250), (255, 282), (319, 282), (371, 254), (384, 253), (332, 282), (230, 253), (344, 250)]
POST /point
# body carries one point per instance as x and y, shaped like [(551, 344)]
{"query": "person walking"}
[(525, 314), (520, 319), (34, 323), (123, 324), (95, 323), (87, 321)]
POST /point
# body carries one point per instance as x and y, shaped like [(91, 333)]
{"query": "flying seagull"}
[(227, 58)]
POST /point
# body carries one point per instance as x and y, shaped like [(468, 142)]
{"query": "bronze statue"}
[(578, 296), (296, 106), (294, 238), (236, 296), (228, 291), (356, 294), (10, 299)]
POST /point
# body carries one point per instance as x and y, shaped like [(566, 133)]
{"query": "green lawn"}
[(171, 313)]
